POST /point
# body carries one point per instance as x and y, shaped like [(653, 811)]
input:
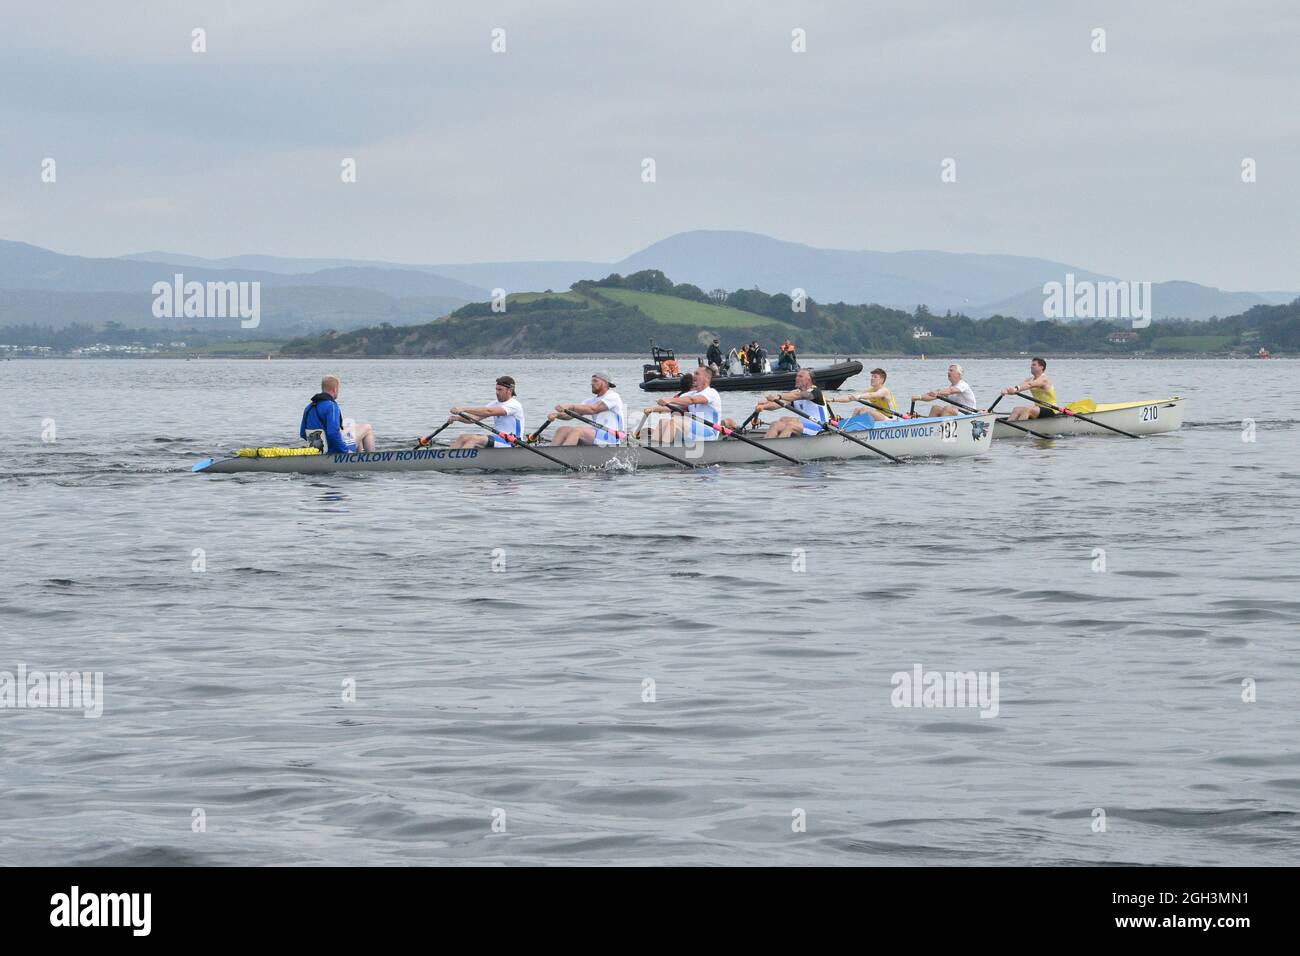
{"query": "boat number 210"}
[(1150, 412)]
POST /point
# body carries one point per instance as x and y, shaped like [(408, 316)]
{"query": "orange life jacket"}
[(669, 368)]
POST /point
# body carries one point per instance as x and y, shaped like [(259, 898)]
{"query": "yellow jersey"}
[(1047, 395)]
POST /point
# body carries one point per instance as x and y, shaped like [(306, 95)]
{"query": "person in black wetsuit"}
[(714, 357)]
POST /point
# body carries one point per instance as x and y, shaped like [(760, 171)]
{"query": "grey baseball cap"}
[(604, 376)]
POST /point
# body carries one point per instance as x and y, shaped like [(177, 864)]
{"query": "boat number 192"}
[(948, 431), (1150, 412)]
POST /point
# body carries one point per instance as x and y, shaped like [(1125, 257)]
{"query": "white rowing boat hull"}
[(1149, 418), (953, 437)]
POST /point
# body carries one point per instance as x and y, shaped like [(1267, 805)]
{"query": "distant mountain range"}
[(299, 296)]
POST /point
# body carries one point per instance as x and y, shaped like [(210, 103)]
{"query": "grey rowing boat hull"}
[(1136, 418), (953, 437)]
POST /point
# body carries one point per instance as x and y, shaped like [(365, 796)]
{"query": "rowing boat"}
[(951, 437), (1137, 418)]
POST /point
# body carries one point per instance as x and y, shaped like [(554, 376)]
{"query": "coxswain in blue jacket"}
[(323, 413)]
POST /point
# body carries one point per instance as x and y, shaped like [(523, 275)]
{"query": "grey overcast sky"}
[(1127, 162)]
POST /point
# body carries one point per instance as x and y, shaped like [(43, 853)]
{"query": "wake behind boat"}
[(950, 437)]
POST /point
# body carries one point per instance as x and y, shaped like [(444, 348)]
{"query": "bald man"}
[(342, 436)]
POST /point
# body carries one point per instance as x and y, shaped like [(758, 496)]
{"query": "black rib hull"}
[(828, 376)]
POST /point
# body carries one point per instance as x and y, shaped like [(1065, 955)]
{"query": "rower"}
[(702, 400), (956, 389), (323, 416), (806, 397), (1040, 386), (878, 394), (606, 409), (507, 415)]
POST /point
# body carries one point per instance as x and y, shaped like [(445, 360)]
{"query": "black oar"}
[(684, 383), (1066, 411), (538, 434), (513, 440), (744, 426), (420, 443), (620, 435), (732, 433), (839, 431), (1019, 428)]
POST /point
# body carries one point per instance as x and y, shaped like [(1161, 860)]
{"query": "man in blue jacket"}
[(323, 413)]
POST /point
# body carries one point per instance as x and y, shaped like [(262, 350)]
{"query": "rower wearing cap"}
[(702, 400), (507, 416), (806, 397), (956, 389), (606, 410), (878, 394), (1040, 386)]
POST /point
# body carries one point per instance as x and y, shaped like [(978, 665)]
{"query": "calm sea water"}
[(519, 696)]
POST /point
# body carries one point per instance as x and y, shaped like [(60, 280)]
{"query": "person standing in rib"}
[(956, 389), (606, 410)]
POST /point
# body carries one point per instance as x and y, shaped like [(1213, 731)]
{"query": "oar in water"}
[(620, 435), (839, 431), (513, 440), (1019, 428), (732, 433), (420, 443), (1082, 417)]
